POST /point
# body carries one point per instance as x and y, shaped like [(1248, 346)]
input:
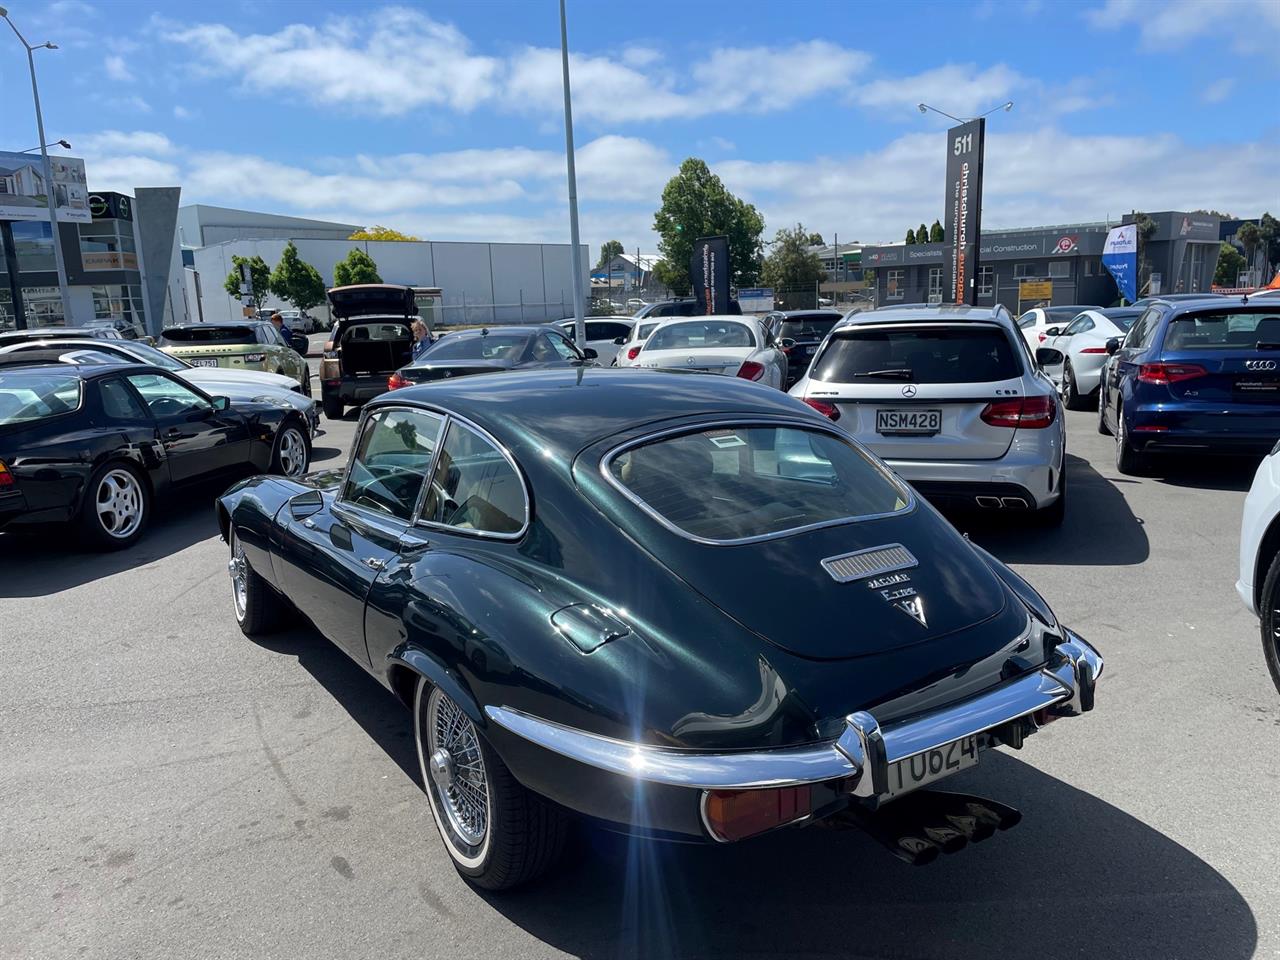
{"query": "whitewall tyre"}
[(258, 608)]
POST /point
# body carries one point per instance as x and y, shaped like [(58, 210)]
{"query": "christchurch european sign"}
[(964, 209)]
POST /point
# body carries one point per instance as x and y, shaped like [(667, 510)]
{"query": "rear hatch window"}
[(754, 481), (1222, 356), (918, 354), (698, 334), (25, 397), (184, 336), (494, 346)]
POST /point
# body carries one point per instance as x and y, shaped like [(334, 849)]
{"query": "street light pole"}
[(579, 323), (48, 169)]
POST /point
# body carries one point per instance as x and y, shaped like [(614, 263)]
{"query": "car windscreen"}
[(1224, 330), (1053, 315), (182, 336), (694, 334), (1123, 320), (492, 346), (31, 396), (149, 354), (807, 328), (739, 482), (972, 353)]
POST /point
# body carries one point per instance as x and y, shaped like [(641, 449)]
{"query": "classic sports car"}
[(96, 444), (559, 572)]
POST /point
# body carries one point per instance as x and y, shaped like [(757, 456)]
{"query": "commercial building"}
[(200, 225), (1026, 267)]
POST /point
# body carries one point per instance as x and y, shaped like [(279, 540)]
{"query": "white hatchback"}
[(730, 345), (952, 399), (605, 335)]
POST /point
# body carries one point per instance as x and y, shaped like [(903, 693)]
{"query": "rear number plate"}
[(924, 768), (922, 422), (198, 362)]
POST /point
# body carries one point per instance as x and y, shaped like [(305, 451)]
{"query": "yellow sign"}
[(1035, 290)]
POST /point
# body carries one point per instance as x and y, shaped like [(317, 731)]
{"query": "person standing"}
[(421, 338)]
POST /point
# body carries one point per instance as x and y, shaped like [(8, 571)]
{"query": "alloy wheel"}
[(293, 453), (454, 769), (118, 502)]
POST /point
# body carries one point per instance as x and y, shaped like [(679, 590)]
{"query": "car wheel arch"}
[(1268, 549), (407, 664), (129, 459)]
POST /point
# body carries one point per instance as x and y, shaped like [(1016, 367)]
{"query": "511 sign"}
[(964, 209)]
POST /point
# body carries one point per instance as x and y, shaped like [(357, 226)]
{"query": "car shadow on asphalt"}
[(1099, 527), (1204, 473), (42, 561)]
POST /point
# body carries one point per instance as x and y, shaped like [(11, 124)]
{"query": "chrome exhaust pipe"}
[(989, 503), (1014, 503)]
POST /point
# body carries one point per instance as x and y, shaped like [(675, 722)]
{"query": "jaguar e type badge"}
[(913, 607)]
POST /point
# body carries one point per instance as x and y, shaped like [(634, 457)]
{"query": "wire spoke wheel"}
[(454, 768), (118, 502), (239, 571)]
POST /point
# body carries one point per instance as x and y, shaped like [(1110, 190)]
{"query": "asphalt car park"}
[(172, 788)]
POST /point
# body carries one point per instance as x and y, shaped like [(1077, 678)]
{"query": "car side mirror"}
[(787, 343), (221, 404), (589, 353), (618, 341), (1113, 344), (1048, 357), (1053, 332)]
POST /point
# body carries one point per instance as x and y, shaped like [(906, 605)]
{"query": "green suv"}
[(248, 345)]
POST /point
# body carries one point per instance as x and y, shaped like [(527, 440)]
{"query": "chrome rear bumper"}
[(1063, 687)]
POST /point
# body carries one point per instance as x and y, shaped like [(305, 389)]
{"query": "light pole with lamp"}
[(48, 169), (579, 323), (64, 144)]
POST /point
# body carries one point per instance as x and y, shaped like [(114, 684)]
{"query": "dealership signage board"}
[(24, 194), (1035, 290), (755, 299), (963, 209), (1120, 257), (709, 271)]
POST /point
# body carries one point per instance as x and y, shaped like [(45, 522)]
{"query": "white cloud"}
[(182, 113), (960, 89), (116, 69), (106, 142), (1218, 91), (1253, 25)]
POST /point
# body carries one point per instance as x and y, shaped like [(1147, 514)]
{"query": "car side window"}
[(391, 461), (562, 348), (167, 398), (1081, 324), (474, 487), (1153, 318), (1028, 319), (120, 404)]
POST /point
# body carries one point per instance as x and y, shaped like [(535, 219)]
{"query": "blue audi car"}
[(1194, 376)]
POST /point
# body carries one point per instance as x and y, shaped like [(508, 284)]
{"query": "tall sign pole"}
[(579, 323), (964, 208), (15, 281)]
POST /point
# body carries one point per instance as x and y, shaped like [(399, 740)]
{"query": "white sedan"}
[(1083, 345), (730, 345)]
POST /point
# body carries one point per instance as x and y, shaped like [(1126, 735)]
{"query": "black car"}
[(559, 572), (96, 445), (492, 350), (800, 332), (680, 307), (98, 332), (372, 337)]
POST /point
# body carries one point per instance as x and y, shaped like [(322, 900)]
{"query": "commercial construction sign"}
[(24, 189)]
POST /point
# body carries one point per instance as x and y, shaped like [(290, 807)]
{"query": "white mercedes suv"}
[(952, 399)]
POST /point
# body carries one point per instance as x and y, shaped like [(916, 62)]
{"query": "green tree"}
[(1269, 229), (815, 240), (1230, 263), (608, 250), (696, 204), (296, 281), (1250, 237), (259, 276), (936, 233), (1146, 230), (377, 232), (922, 234), (790, 264), (911, 236), (1216, 213), (358, 267)]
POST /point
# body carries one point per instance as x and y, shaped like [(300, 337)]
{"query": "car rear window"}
[(377, 331), (185, 335), (499, 346), (807, 328), (25, 397), (644, 330), (920, 354), (742, 482), (1224, 330), (693, 334)]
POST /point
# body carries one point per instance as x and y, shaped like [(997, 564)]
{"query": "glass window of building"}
[(1024, 270), (33, 241), (935, 284), (119, 301), (986, 280), (108, 245), (1059, 268), (895, 288)]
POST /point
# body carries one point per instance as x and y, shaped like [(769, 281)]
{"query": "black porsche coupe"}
[(562, 573), (96, 445)]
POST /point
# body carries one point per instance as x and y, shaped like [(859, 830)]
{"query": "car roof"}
[(1220, 302), (560, 411), (613, 317), (87, 371), (819, 312), (929, 313), (212, 324), (63, 343), (522, 328)]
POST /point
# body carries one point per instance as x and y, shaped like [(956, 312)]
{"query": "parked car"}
[(130, 328), (372, 338), (250, 345), (605, 335), (1037, 321), (668, 308), (636, 303), (1196, 377), (495, 350), (1083, 346), (236, 384), (49, 333), (629, 348), (800, 332), (951, 398), (1174, 298), (626, 674), (732, 346), (96, 444), (1267, 294), (1259, 583)]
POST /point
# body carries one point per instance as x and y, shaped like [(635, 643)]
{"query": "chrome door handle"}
[(374, 563), (309, 523)]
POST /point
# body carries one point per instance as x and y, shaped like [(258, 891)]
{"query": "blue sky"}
[(445, 119)]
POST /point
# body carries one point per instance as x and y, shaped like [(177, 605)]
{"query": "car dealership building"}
[(1031, 266)]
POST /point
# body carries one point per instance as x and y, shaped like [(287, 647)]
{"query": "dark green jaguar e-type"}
[(681, 605)]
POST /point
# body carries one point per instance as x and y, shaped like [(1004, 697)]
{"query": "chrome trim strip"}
[(1065, 684), (905, 492), (874, 562)]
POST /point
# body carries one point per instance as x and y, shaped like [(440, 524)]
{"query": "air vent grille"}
[(869, 563)]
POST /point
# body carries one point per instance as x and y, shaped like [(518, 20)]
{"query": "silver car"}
[(952, 399)]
